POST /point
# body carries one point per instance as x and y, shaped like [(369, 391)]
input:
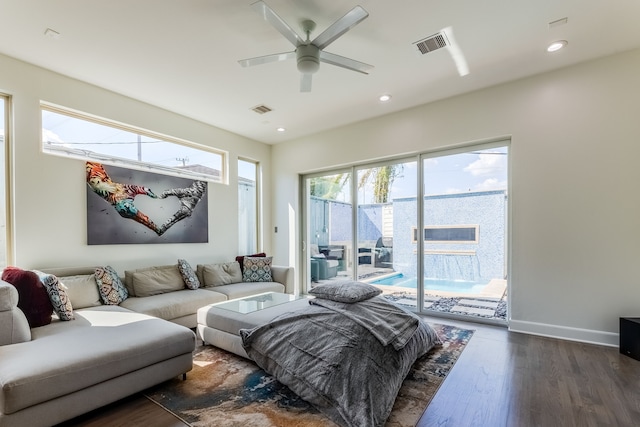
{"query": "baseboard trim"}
[(588, 336)]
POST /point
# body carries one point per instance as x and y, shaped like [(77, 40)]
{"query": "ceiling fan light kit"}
[(309, 53), (308, 57)]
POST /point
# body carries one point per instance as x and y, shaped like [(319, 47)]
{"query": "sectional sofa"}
[(53, 373)]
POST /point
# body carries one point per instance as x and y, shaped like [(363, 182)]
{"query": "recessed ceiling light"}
[(281, 129), (555, 46), (384, 98)]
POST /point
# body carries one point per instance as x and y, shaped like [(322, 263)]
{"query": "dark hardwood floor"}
[(501, 379)]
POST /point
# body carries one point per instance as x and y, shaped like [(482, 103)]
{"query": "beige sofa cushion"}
[(65, 357), (245, 289), (220, 274), (173, 305), (82, 290), (154, 280)]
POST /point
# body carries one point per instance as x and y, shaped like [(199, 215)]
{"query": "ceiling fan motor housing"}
[(308, 57)]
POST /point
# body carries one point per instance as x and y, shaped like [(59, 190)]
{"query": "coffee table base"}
[(220, 327)]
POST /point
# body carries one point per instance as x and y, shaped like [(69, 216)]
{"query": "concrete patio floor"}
[(489, 303)]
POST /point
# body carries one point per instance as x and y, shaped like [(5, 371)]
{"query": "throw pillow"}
[(240, 259), (57, 295), (33, 298), (345, 291), (221, 274), (157, 280), (188, 275), (82, 290), (257, 269), (111, 288)]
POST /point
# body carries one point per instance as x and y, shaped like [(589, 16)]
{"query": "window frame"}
[(475, 227), (258, 205), (134, 164), (8, 173)]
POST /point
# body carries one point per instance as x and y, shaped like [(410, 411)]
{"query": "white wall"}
[(49, 212), (575, 203)]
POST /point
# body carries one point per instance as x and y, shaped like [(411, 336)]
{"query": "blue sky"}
[(479, 170)]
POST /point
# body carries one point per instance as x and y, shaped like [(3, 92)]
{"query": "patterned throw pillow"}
[(240, 259), (257, 269), (58, 295), (188, 275), (112, 290)]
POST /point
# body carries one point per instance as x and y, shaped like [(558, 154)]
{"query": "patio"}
[(489, 303)]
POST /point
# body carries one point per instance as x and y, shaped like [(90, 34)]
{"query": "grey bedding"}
[(328, 355)]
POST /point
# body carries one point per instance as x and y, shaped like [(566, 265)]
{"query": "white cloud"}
[(452, 190), (432, 161), (490, 184), (486, 164), (50, 136)]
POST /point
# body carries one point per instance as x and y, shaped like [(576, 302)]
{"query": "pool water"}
[(432, 284)]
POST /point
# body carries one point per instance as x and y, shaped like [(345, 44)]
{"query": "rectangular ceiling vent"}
[(431, 43), (261, 109)]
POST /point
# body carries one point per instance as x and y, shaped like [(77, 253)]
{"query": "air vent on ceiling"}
[(261, 109), (431, 43)]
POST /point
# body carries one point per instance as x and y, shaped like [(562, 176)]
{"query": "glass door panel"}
[(464, 233), (387, 210), (329, 228)]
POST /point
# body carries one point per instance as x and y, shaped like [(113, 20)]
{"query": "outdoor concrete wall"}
[(574, 202), (486, 209)]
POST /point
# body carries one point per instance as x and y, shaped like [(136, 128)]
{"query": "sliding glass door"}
[(328, 239), (430, 230), (386, 210), (464, 229)]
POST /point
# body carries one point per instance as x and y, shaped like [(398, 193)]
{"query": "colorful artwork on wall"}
[(127, 206)]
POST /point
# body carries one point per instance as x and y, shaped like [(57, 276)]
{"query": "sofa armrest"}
[(14, 327), (284, 275)]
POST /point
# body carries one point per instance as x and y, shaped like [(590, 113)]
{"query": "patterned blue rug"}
[(226, 390)]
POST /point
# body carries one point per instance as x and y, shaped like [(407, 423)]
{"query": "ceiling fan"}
[(309, 53)]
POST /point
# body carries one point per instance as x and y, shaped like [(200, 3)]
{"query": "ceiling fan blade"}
[(305, 82), (271, 17), (250, 62), (341, 26), (341, 61)]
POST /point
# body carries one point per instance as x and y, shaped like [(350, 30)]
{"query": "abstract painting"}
[(127, 206)]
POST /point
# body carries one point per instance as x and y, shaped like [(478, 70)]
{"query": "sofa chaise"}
[(55, 372), (52, 373)]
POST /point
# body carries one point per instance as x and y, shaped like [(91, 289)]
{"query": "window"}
[(449, 234), (68, 133), (4, 139), (247, 207)]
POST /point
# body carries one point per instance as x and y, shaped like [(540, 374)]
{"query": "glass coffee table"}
[(219, 324), (257, 302)]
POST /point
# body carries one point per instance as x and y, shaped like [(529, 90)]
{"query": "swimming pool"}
[(432, 284)]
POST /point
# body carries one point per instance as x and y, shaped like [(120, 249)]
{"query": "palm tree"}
[(383, 178), (328, 187)]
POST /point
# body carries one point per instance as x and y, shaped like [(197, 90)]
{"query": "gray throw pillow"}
[(221, 274), (345, 291)]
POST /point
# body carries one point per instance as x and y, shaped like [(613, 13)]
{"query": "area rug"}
[(225, 390)]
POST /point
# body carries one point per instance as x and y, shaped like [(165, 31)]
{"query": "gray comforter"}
[(342, 358)]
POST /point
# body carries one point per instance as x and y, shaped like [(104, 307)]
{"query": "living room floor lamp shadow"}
[(128, 206)]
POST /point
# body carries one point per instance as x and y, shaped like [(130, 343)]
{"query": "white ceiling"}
[(182, 55)]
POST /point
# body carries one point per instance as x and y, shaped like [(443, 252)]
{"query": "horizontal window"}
[(448, 234), (72, 134)]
